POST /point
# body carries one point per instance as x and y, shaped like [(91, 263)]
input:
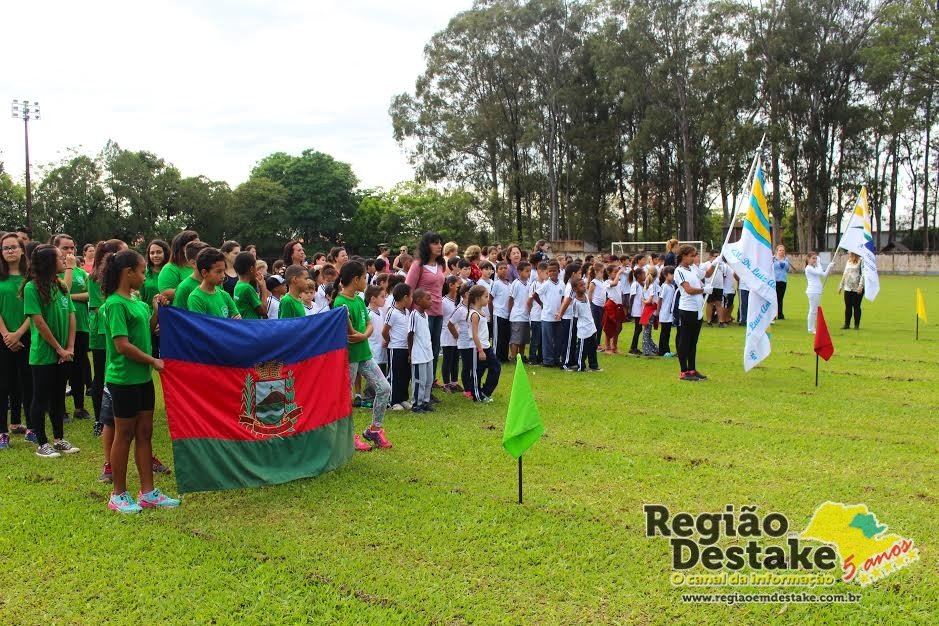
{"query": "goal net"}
[(632, 248)]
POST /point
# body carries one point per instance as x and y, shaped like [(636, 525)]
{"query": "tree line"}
[(637, 119)]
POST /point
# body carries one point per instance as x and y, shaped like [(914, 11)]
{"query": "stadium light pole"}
[(26, 111)]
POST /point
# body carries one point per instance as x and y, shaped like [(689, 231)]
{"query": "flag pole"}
[(745, 197), (519, 480), (838, 247), (917, 327), (816, 369)]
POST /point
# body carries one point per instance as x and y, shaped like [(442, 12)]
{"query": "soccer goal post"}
[(632, 248)]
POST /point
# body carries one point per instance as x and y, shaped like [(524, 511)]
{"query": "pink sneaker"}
[(468, 394), (360, 446), (377, 437)]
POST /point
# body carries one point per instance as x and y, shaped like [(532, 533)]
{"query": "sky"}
[(213, 87)]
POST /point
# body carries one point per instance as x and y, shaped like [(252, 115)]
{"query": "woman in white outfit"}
[(814, 276)]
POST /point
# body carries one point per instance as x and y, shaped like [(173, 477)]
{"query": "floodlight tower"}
[(27, 111)]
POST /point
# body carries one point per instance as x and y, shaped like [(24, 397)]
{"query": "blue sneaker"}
[(156, 499), (31, 437), (4, 441), (123, 503)]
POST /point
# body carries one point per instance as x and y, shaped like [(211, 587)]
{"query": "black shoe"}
[(82, 414), (845, 327), (417, 408), (427, 408), (66, 419), (434, 399), (857, 328), (99, 427)]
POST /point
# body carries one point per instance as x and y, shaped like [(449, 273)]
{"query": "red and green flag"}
[(255, 402)]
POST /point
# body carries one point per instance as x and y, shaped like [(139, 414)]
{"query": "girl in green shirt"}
[(15, 380), (176, 270), (52, 346), (129, 376), (158, 254)]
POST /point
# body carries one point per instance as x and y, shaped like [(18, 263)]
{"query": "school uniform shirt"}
[(309, 310), (247, 301), (398, 327), (320, 297), (56, 314), (482, 331), (635, 310), (519, 294), (358, 317), (375, 340), (668, 303), (79, 285), (729, 287), (96, 339), (551, 293), (651, 292), (171, 275), (717, 276), (290, 307), (422, 350), (585, 325), (273, 307), (447, 307), (460, 319), (321, 308), (488, 285), (534, 314), (613, 292), (150, 288), (569, 311), (183, 291), (11, 307), (690, 275), (499, 292), (217, 303), (813, 278), (126, 317), (599, 292)]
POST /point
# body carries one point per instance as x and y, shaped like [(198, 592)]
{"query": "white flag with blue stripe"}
[(752, 260), (859, 239)]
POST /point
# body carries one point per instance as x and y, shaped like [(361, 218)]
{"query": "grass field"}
[(429, 531)]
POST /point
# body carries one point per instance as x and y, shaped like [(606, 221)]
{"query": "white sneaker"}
[(406, 405), (65, 447), (396, 407), (47, 452)]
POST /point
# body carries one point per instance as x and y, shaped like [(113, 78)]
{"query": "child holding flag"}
[(352, 279), (129, 376), (814, 276)]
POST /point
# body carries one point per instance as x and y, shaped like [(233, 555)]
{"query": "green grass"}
[(429, 532)]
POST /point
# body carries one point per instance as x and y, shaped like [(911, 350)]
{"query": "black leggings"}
[(780, 296), (450, 366), (78, 371), (15, 382), (435, 323), (48, 397), (637, 332), (688, 339), (97, 387), (665, 336), (466, 369), (852, 305), (400, 377)]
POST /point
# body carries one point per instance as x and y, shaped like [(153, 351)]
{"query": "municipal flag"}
[(859, 239), (255, 402), (523, 426), (823, 344), (920, 305), (752, 260)]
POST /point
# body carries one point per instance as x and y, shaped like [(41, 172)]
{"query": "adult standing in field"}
[(174, 272), (338, 257), (450, 250), (158, 254), (691, 294), (294, 253), (781, 267), (852, 283), (230, 249), (16, 380), (428, 272), (402, 252), (88, 257), (473, 254), (540, 253), (671, 256), (513, 256)]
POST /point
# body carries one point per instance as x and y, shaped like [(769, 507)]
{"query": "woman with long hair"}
[(852, 283), (158, 255), (230, 249), (513, 256), (293, 253), (16, 379), (178, 269), (689, 277), (428, 272), (51, 312)]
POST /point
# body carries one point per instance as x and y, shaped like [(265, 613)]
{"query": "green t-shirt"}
[(149, 290), (290, 307), (171, 275), (56, 313), (79, 285), (11, 307), (181, 299), (247, 300), (358, 315), (218, 304), (96, 338), (129, 318)]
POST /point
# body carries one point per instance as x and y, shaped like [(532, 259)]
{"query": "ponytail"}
[(114, 266)]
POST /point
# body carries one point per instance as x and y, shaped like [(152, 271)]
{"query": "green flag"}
[(523, 425)]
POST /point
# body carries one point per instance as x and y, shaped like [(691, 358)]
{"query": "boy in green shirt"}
[(191, 282), (250, 305), (291, 304), (209, 298)]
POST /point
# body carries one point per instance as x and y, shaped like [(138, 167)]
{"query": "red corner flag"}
[(823, 345)]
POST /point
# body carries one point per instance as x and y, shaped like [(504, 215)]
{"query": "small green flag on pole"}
[(523, 425)]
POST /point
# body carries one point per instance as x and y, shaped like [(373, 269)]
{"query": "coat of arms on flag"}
[(267, 402)]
